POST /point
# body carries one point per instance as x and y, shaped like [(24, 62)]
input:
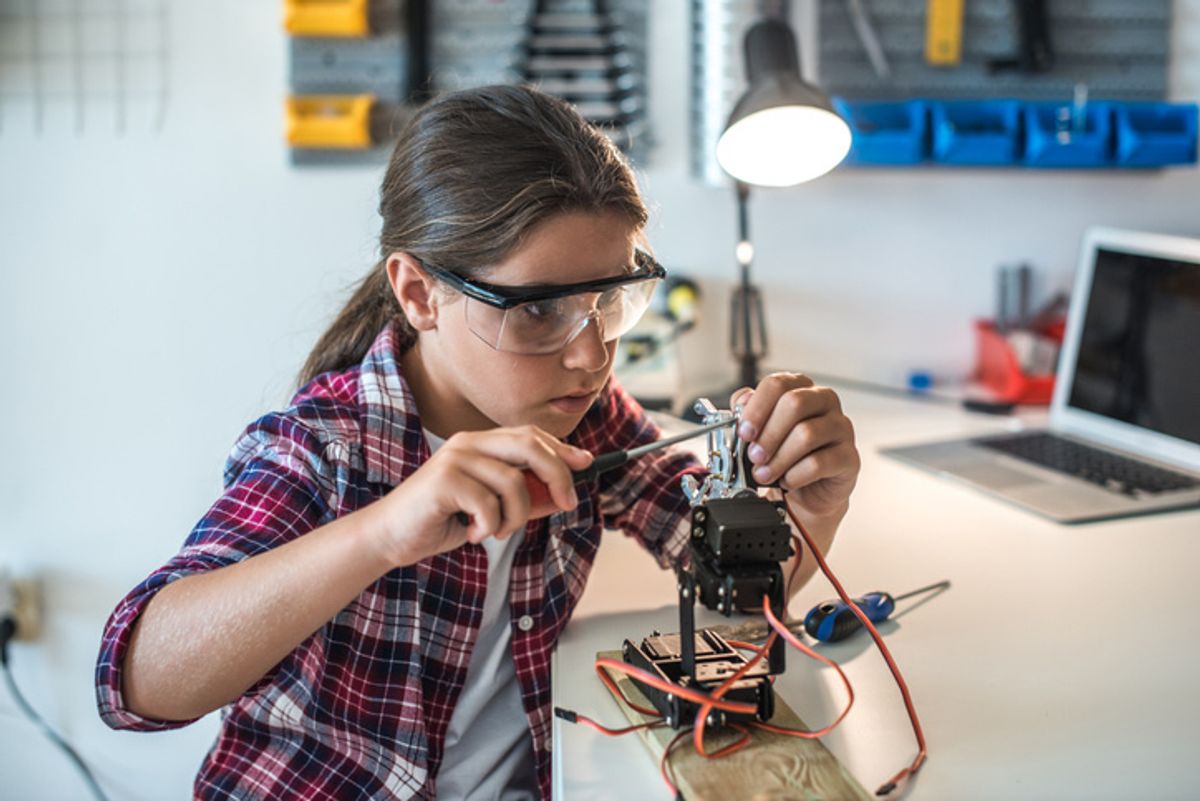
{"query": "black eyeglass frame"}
[(507, 297)]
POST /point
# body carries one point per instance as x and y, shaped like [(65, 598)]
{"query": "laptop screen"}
[(1139, 347)]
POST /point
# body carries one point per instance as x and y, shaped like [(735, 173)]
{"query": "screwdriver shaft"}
[(662, 443), (941, 585)]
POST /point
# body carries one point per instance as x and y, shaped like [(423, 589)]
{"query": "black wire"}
[(6, 630)]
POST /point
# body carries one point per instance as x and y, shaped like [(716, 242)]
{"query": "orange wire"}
[(698, 737), (702, 715), (736, 745), (696, 697), (606, 731), (615, 690), (782, 630), (744, 646), (664, 763), (890, 785), (714, 701)]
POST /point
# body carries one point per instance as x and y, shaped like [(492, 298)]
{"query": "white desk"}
[(1062, 663)]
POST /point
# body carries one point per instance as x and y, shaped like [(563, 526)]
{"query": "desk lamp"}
[(782, 132)]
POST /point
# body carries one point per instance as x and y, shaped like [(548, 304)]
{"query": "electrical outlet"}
[(19, 599)]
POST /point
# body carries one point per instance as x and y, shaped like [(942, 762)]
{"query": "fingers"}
[(506, 486), (478, 502), (796, 435), (804, 439), (758, 404), (837, 461), (526, 448)]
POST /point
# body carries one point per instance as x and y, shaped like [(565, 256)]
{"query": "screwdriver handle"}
[(601, 464), (540, 502), (833, 620)]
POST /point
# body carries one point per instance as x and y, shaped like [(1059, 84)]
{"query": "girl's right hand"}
[(480, 474)]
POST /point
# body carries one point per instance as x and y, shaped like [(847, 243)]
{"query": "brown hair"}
[(472, 173)]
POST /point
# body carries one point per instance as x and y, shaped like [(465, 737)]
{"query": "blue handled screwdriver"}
[(832, 620)]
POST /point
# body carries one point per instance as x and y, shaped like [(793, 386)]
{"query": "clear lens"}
[(546, 326)]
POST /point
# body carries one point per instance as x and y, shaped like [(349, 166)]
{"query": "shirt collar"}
[(393, 443)]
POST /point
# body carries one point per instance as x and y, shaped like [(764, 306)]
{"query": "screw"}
[(698, 532), (721, 591), (701, 515)]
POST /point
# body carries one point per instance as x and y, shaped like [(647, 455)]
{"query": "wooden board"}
[(772, 766)]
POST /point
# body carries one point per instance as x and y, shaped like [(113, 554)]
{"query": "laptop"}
[(1124, 431)]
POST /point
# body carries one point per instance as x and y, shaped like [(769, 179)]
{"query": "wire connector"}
[(885, 789), (8, 630), (566, 714)]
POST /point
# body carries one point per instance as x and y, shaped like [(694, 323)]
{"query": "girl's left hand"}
[(797, 435)]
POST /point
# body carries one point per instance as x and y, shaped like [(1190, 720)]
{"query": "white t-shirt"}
[(488, 751)]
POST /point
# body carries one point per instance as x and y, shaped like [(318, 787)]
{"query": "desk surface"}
[(1060, 665)]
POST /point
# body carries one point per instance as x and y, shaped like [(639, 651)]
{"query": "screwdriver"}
[(833, 620), (539, 493)]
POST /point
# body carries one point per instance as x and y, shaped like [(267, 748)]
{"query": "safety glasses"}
[(545, 318)]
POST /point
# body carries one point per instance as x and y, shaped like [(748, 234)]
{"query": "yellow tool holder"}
[(346, 18), (943, 32), (335, 122)]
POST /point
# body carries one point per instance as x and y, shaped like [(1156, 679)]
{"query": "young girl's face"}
[(552, 391)]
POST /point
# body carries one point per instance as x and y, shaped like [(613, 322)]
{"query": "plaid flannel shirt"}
[(360, 708)]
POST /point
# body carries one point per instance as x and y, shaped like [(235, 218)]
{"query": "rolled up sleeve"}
[(272, 495)]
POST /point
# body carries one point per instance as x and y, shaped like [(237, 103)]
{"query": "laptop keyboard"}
[(1107, 469)]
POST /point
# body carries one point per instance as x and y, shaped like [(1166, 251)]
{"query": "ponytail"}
[(349, 337)]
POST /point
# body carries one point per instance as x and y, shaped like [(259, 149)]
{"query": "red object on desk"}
[(997, 368)]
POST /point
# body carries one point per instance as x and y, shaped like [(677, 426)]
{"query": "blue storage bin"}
[(1052, 139), (982, 132), (1155, 134), (886, 132)]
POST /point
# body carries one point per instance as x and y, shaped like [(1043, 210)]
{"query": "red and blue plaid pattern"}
[(360, 709)]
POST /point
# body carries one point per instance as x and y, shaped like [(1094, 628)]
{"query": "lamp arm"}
[(748, 311)]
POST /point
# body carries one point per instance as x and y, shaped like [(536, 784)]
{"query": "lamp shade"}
[(782, 131)]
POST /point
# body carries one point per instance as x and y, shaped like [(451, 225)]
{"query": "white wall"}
[(159, 290)]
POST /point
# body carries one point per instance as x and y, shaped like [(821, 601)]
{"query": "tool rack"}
[(358, 68)]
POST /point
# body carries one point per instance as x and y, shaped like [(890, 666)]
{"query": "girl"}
[(361, 640)]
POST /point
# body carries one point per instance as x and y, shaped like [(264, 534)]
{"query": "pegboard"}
[(477, 42), (86, 67), (1117, 48)]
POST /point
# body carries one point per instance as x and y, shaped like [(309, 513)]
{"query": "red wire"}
[(607, 732), (890, 785), (782, 631), (736, 745), (702, 715), (664, 762), (744, 646), (696, 697), (698, 736), (615, 690), (714, 701)]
